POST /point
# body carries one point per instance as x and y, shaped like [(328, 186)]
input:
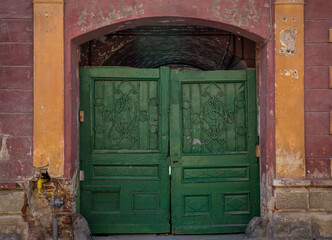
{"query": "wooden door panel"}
[(124, 150), (214, 168)]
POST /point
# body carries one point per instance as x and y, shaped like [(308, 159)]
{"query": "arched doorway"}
[(149, 129)]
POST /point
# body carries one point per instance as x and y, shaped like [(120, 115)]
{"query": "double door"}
[(168, 151)]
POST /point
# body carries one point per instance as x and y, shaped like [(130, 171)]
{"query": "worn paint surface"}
[(289, 89), (48, 87), (85, 16), (239, 14), (4, 154)]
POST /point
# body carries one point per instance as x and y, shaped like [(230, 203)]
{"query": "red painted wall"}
[(16, 85), (318, 96)]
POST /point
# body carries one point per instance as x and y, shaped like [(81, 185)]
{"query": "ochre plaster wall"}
[(289, 96), (48, 128)]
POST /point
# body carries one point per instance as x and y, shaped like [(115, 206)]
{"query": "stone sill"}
[(302, 183)]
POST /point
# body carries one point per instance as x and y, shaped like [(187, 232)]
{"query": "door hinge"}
[(81, 175), (258, 151), (81, 116), (169, 170)]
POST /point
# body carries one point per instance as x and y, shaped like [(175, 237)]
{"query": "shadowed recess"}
[(198, 52)]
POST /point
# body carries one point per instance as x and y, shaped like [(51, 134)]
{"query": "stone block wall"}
[(303, 210)]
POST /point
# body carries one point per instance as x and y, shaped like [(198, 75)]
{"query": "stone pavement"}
[(171, 237)]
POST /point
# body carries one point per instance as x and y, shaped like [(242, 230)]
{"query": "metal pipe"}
[(55, 228)]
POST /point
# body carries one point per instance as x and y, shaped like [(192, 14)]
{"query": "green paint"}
[(125, 152), (214, 168)]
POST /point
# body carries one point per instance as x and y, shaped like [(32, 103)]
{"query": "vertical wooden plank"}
[(196, 117), (143, 105), (175, 143), (153, 114), (330, 35), (164, 96), (289, 89), (230, 97), (185, 106), (98, 127), (108, 108)]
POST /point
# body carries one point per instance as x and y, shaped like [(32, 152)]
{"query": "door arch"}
[(72, 85)]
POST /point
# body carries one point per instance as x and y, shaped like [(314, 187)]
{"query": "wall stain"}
[(286, 159), (4, 154), (288, 42), (97, 18), (236, 14)]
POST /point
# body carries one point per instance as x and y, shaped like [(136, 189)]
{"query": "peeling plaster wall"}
[(16, 83), (318, 93)]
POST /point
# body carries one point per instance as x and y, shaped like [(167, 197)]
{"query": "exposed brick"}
[(11, 185), (16, 9), (316, 123), (317, 31), (16, 78), (16, 54), (16, 101), (290, 199), (318, 168), (318, 146), (316, 77), (320, 199), (16, 30), (20, 148), (16, 124), (318, 100), (317, 9), (318, 54)]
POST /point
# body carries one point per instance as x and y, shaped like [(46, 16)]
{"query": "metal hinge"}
[(169, 170), (81, 116), (258, 151), (81, 175)]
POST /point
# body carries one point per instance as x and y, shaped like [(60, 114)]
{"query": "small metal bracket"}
[(258, 151), (81, 175), (81, 116)]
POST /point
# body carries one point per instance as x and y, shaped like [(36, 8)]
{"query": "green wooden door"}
[(212, 149), (124, 149), (210, 117)]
